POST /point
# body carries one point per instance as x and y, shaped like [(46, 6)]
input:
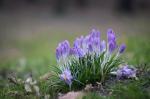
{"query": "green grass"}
[(39, 54)]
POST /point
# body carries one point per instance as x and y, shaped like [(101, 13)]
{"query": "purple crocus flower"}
[(111, 35), (77, 52), (80, 52), (66, 47), (63, 49), (94, 41), (89, 43), (78, 42), (95, 33), (73, 51), (126, 72), (122, 48), (90, 47), (112, 46), (81, 45), (103, 46), (66, 76)]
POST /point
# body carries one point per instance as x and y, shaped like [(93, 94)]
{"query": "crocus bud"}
[(122, 48)]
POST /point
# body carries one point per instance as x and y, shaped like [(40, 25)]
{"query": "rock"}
[(72, 95)]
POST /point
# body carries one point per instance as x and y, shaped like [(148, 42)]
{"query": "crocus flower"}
[(77, 52), (111, 37), (96, 45), (95, 33), (63, 49), (90, 47), (103, 46), (122, 48), (66, 76), (112, 46), (80, 45), (73, 51), (126, 71), (94, 41), (78, 42), (80, 52)]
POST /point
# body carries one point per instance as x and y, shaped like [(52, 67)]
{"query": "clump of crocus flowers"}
[(91, 59), (90, 44), (126, 72)]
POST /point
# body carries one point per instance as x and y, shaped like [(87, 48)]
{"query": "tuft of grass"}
[(87, 70)]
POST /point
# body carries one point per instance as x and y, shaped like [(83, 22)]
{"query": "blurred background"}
[(31, 29)]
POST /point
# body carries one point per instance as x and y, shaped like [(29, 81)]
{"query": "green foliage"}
[(87, 70)]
